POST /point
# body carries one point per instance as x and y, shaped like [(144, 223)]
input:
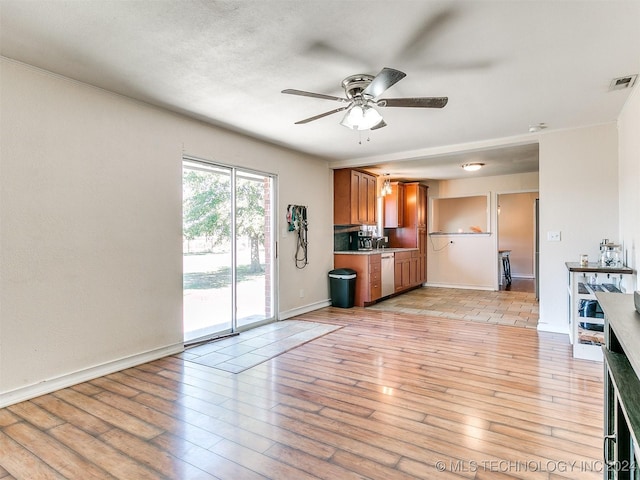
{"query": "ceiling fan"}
[(362, 92)]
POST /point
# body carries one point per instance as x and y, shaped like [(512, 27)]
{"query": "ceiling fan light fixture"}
[(472, 167), (361, 117), (537, 127)]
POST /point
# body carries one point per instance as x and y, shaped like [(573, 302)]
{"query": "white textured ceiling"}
[(503, 64)]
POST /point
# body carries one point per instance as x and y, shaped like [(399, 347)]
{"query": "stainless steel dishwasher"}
[(387, 275)]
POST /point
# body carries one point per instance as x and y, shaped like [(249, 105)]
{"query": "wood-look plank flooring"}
[(389, 396)]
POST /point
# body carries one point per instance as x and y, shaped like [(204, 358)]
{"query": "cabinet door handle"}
[(605, 444)]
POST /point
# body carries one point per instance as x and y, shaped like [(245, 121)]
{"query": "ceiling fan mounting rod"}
[(354, 85)]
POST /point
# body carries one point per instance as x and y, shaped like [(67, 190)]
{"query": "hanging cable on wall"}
[(297, 221), (448, 244)]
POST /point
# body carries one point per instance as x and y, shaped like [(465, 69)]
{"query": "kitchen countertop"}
[(374, 251), (622, 317), (595, 267)]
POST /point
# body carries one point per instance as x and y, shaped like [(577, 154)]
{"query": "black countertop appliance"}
[(361, 240)]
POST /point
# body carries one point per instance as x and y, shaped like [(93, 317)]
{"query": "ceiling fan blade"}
[(311, 119), (323, 52), (417, 102), (302, 93), (420, 39), (379, 125), (385, 79)]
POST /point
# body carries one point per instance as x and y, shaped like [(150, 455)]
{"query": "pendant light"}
[(386, 186)]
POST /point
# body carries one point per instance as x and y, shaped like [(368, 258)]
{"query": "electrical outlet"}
[(301, 293), (386, 239), (553, 236)]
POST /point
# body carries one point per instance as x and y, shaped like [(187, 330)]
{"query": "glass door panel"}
[(207, 251), (254, 266), (228, 258)]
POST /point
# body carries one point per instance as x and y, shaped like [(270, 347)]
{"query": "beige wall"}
[(91, 233), (90, 229), (460, 214), (471, 261), (579, 198), (516, 231), (629, 178)]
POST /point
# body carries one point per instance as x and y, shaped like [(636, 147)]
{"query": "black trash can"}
[(342, 284)]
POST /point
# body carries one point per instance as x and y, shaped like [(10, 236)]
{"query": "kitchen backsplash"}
[(341, 238), (340, 241)]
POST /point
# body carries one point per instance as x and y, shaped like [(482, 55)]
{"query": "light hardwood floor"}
[(389, 396)]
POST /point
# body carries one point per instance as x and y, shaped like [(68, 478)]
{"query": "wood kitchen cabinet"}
[(354, 197), (413, 233), (394, 206), (422, 251), (414, 268), (402, 271), (368, 275)]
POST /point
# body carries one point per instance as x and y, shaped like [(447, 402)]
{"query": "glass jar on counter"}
[(610, 255)]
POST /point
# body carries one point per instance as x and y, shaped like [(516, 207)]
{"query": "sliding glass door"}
[(228, 254)]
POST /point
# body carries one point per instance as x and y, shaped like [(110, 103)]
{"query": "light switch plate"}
[(553, 236)]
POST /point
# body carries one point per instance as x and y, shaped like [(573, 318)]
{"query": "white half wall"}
[(91, 227), (579, 199)]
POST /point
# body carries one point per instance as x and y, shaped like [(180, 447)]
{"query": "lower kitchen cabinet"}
[(402, 271), (414, 268), (368, 275), (404, 267), (422, 255)]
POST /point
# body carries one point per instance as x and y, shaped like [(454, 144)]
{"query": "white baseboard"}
[(464, 287), (552, 328), (304, 309), (51, 385)]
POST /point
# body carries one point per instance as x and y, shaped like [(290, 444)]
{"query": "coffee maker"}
[(361, 240)]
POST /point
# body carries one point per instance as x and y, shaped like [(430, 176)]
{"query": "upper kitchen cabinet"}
[(413, 233), (394, 206), (415, 215), (354, 197), (416, 205)]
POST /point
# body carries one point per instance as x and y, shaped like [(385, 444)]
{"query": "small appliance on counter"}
[(361, 240), (610, 254)]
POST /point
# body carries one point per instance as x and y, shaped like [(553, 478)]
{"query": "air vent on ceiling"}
[(622, 82)]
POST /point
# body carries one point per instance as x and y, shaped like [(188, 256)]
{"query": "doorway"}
[(518, 234), (228, 259)]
